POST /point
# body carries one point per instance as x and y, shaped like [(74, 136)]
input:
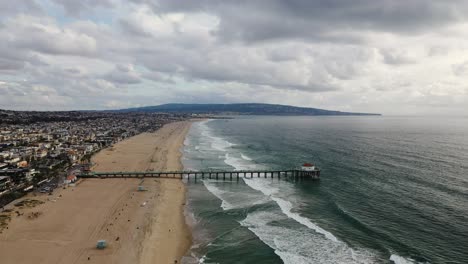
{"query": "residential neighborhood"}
[(38, 147)]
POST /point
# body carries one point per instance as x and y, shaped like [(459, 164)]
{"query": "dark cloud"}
[(8, 65), (14, 59), (8, 7), (397, 57), (327, 20), (123, 74), (232, 65)]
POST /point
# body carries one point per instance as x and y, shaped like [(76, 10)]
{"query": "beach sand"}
[(139, 226)]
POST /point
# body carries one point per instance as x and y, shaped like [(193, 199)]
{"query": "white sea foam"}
[(202, 259), (238, 163), (218, 193), (217, 143), (231, 199), (231, 161), (287, 206), (402, 260), (245, 157), (297, 246), (187, 141)]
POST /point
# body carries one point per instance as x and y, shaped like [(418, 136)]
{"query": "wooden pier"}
[(218, 175)]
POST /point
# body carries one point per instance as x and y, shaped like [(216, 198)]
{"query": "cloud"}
[(123, 74), (260, 20), (6, 65), (363, 55), (43, 35), (76, 8), (396, 56), (29, 97), (13, 58), (144, 22), (8, 8), (460, 69)]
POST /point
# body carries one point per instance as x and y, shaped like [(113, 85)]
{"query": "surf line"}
[(286, 207)]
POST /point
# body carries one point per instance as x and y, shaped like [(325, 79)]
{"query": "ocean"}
[(392, 190)]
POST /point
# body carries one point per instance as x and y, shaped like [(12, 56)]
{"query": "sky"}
[(392, 57)]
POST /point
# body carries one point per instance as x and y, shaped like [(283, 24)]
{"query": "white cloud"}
[(43, 35), (149, 52)]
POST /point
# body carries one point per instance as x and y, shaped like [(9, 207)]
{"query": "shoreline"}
[(168, 232), (139, 226), (168, 238)]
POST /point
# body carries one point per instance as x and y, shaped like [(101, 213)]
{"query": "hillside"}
[(242, 109)]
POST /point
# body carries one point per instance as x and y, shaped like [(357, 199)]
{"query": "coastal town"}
[(40, 151)]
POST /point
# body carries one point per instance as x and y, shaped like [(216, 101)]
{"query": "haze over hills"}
[(242, 109)]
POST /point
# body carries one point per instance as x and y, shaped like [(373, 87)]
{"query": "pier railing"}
[(219, 175)]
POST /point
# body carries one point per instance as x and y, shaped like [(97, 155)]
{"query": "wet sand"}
[(139, 226)]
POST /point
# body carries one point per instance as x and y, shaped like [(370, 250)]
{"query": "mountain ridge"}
[(243, 109)]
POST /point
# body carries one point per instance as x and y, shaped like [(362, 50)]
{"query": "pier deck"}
[(219, 175)]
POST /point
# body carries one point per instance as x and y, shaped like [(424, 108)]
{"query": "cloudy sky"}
[(391, 57)]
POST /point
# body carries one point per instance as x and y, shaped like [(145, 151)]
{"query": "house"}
[(13, 160), (30, 174), (5, 183), (4, 155), (41, 154), (71, 179), (22, 164)]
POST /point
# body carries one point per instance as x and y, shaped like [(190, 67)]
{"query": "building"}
[(22, 164), (71, 179), (310, 171), (41, 154), (308, 167), (5, 183), (30, 174)]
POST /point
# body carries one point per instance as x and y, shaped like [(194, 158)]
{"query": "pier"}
[(218, 175)]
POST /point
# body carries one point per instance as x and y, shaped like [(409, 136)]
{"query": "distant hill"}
[(241, 109)]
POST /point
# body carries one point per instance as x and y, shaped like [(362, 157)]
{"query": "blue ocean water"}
[(393, 190)]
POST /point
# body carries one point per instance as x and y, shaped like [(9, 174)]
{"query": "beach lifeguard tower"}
[(101, 244), (309, 170)]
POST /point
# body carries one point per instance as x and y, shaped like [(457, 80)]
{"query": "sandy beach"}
[(139, 226)]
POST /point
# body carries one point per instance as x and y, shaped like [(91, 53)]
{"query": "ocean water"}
[(392, 190)]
